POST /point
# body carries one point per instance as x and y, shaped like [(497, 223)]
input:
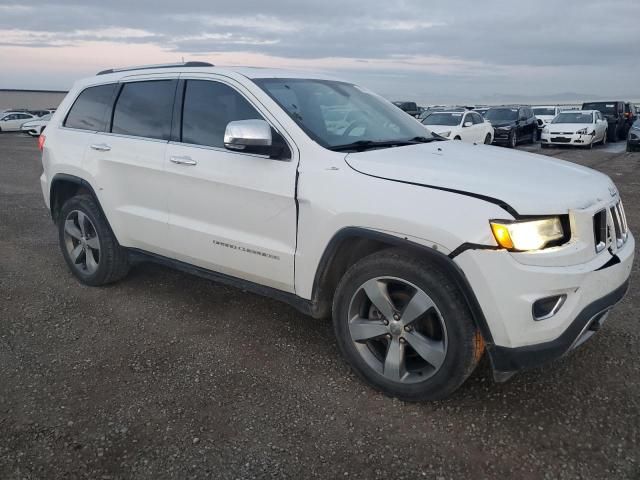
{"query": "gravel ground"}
[(165, 375)]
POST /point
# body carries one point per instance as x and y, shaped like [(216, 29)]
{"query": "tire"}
[(88, 245), (604, 138), (453, 342), (513, 140), (457, 138), (534, 136), (487, 139)]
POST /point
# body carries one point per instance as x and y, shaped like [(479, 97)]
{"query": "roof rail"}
[(147, 67)]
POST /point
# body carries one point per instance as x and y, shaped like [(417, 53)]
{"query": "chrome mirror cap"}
[(246, 135)]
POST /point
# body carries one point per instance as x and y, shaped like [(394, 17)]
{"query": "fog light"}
[(547, 307)]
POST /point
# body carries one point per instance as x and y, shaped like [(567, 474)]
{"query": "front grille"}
[(610, 228), (560, 139)]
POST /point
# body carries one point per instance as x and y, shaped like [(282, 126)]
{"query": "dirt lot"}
[(165, 375)]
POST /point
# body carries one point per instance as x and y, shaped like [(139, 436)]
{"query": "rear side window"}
[(89, 110), (208, 108), (144, 109)]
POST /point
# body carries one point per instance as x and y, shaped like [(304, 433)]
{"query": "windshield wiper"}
[(362, 145)]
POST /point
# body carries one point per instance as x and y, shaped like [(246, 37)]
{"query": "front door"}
[(230, 212)]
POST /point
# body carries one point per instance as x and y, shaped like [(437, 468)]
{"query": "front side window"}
[(144, 109), (476, 118), (338, 114), (208, 108), (90, 108)]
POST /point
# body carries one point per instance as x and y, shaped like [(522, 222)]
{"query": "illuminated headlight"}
[(524, 235), (445, 134)]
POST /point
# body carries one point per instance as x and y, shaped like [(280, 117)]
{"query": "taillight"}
[(41, 140)]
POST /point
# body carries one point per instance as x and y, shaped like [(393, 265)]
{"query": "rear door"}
[(229, 211), (127, 161)]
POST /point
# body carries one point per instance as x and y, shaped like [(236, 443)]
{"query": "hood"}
[(441, 128), (569, 127), (531, 184), (502, 123)]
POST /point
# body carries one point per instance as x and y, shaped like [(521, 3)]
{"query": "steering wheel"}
[(353, 126)]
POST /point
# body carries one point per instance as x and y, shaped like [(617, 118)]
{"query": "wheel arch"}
[(65, 186), (351, 244)]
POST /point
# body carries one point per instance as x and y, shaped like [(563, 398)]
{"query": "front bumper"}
[(567, 139), (501, 137), (506, 290), (586, 323)]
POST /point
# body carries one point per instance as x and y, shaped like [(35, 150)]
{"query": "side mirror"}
[(251, 136), (468, 124)]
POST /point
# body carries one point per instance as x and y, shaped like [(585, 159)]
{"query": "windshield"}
[(448, 119), (571, 117), (501, 114), (604, 107), (544, 111), (366, 117)]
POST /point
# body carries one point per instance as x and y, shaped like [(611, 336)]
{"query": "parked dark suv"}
[(513, 124), (619, 114), (409, 107)]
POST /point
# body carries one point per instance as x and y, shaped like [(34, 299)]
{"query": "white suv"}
[(426, 252)]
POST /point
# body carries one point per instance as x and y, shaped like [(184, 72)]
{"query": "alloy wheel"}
[(82, 242), (397, 329)]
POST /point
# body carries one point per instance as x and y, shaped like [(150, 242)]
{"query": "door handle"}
[(101, 147), (186, 160)]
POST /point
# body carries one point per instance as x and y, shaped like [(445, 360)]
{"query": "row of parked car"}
[(32, 122), (510, 125)]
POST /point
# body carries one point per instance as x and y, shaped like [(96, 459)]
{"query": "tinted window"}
[(605, 107), (89, 110), (144, 109), (208, 108)]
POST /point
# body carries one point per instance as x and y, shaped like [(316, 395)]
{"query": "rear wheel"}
[(404, 326), (88, 244)]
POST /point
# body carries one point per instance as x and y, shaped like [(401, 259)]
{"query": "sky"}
[(429, 51)]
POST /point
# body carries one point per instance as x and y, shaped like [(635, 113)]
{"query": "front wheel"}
[(604, 137), (487, 139), (404, 326), (513, 140)]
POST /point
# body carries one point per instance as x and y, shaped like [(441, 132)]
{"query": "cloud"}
[(433, 49)]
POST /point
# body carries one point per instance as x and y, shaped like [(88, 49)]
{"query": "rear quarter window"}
[(90, 108)]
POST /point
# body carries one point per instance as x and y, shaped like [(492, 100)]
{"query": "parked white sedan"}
[(469, 127), (35, 127), (583, 128), (12, 121)]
